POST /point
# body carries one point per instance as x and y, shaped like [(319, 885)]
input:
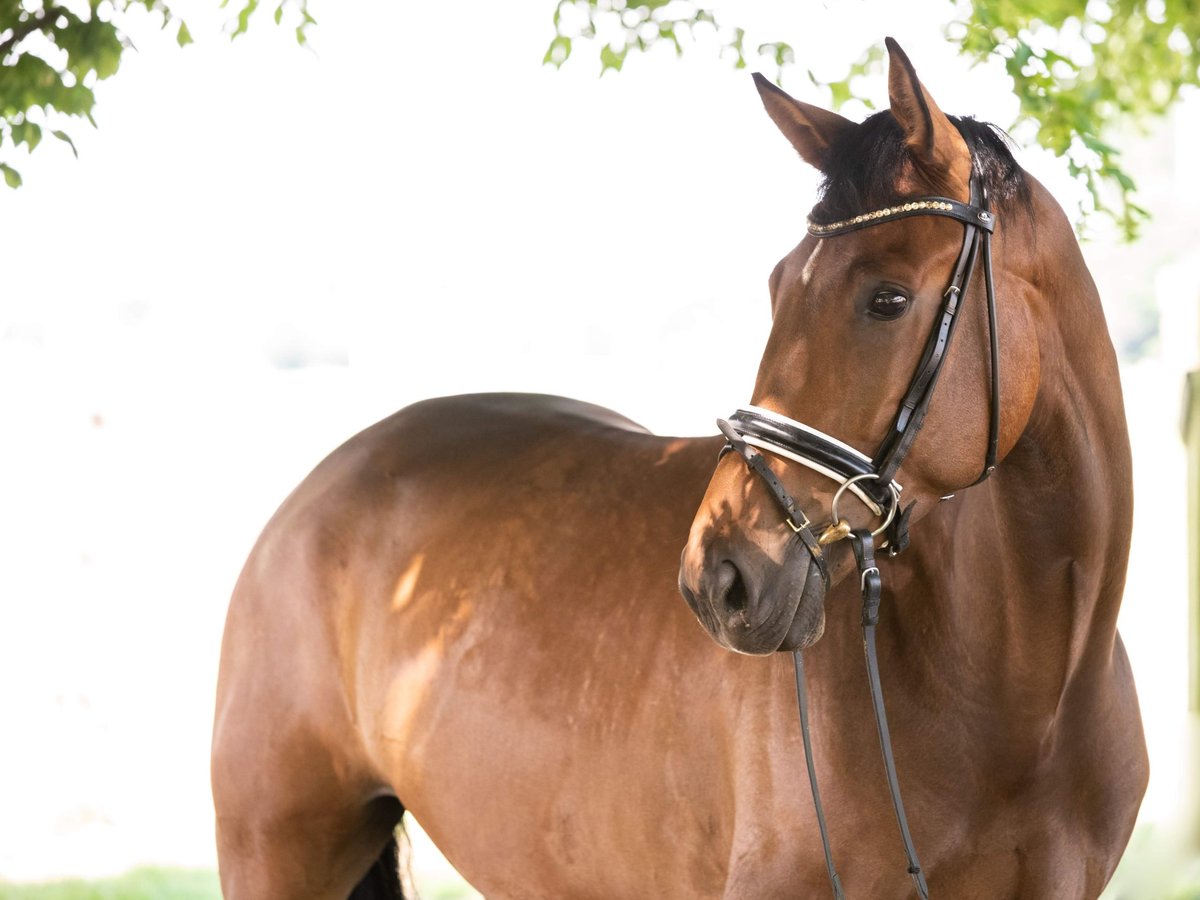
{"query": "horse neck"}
[(1028, 605)]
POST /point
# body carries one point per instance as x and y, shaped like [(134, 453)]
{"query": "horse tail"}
[(383, 880)]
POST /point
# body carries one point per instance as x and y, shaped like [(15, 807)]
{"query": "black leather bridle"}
[(872, 479)]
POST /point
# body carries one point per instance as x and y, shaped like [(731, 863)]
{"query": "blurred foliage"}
[(1158, 864), (1079, 67), (140, 884), (184, 884), (52, 53)]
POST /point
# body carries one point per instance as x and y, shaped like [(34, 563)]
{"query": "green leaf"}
[(91, 45), (558, 51), (1094, 143), (243, 18), (780, 53), (612, 59), (11, 176), (839, 93), (66, 139), (667, 32), (184, 37), (1021, 55), (279, 14), (25, 132)]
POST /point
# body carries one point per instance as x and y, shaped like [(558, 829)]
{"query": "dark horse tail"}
[(383, 881)]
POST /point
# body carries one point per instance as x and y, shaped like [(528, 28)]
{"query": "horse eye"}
[(887, 304)]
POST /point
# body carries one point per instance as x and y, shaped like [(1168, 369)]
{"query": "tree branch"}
[(22, 30)]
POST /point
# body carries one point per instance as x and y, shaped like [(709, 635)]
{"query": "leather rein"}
[(872, 479)]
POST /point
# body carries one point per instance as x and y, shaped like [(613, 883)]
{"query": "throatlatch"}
[(872, 479)]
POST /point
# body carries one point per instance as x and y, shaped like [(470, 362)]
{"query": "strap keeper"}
[(870, 594), (870, 582), (897, 533), (862, 581), (733, 438)]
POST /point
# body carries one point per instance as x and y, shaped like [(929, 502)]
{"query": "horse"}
[(471, 610)]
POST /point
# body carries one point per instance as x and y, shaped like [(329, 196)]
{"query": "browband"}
[(924, 206)]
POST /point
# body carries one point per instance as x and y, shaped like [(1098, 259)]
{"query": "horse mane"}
[(864, 165)]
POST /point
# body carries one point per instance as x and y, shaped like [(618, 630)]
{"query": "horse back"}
[(466, 565)]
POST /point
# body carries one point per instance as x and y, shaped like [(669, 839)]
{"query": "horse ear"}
[(933, 140), (811, 130)]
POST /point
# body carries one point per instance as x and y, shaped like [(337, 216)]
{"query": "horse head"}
[(857, 310)]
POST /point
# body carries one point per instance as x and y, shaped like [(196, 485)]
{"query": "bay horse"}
[(471, 610)]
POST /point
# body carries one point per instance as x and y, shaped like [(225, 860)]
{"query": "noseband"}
[(872, 479)]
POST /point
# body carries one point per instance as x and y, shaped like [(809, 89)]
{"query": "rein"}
[(872, 479)]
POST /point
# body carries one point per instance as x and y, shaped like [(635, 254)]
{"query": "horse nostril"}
[(730, 587)]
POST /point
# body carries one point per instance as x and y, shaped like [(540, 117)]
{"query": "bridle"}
[(872, 479)]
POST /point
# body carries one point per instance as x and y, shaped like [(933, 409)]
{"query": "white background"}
[(263, 249)]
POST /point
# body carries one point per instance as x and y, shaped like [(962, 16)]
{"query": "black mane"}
[(863, 167)]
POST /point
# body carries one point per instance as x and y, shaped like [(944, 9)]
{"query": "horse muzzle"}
[(751, 604)]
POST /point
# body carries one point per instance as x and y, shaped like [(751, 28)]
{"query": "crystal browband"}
[(937, 206)]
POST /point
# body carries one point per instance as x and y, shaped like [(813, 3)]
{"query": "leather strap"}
[(914, 406), (864, 554), (872, 591), (811, 444), (989, 464), (802, 699), (969, 213), (897, 532), (795, 517)]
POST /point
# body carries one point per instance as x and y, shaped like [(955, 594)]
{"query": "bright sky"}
[(417, 208)]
